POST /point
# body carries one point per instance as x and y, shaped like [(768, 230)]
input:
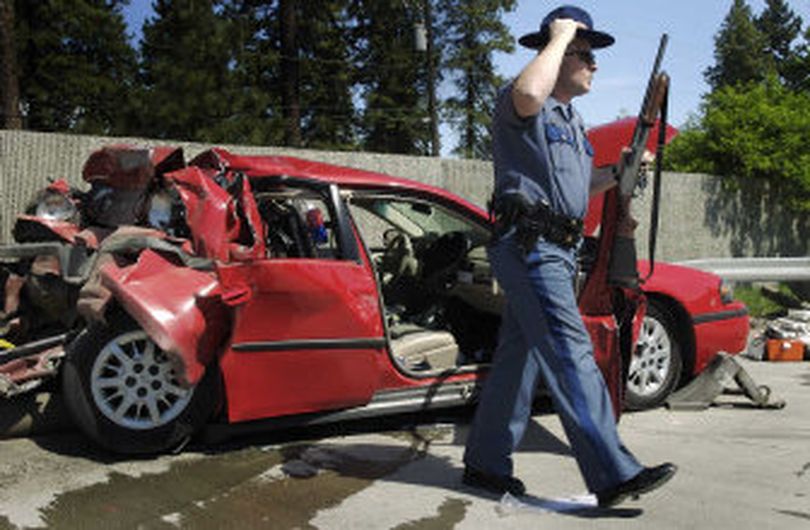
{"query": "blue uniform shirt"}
[(545, 157)]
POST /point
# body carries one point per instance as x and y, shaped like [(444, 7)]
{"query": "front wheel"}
[(655, 367), (122, 392)]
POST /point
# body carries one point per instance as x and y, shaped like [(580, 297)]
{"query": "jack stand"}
[(700, 393)]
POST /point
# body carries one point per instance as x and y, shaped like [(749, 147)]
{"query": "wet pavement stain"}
[(451, 512), (291, 502), (244, 488), (421, 437), (139, 502)]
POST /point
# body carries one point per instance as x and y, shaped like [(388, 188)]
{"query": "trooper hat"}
[(539, 39)]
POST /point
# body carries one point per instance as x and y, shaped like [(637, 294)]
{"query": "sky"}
[(624, 68)]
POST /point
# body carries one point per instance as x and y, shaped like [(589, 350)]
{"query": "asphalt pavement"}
[(740, 468)]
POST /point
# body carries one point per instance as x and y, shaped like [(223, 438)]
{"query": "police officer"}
[(543, 176)]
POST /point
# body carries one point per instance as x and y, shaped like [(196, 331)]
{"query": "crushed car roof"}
[(258, 166)]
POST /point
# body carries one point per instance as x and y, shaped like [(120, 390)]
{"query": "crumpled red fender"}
[(180, 308)]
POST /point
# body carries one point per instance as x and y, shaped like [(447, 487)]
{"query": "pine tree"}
[(474, 31), (256, 110), (326, 76), (754, 123), (188, 73), (781, 28), (392, 77), (740, 51), (290, 72), (293, 71), (75, 64), (9, 84), (797, 68)]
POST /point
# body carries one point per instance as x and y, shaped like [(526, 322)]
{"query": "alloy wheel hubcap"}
[(134, 385), (651, 360)]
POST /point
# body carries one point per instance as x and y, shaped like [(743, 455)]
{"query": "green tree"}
[(752, 131), (391, 77), (781, 27), (327, 76), (293, 71), (75, 65), (188, 73), (796, 70), (256, 109), (740, 50), (9, 84), (755, 122), (290, 71), (474, 31)]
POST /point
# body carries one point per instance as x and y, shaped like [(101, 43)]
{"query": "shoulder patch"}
[(555, 133)]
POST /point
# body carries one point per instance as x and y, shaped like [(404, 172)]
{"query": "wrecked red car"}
[(270, 290), (245, 289), (57, 245)]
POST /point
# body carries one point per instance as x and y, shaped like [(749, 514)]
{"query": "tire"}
[(656, 363), (142, 409)]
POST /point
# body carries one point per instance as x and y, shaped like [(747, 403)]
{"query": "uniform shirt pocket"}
[(562, 149)]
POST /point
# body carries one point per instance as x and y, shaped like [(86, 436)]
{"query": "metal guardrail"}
[(755, 269)]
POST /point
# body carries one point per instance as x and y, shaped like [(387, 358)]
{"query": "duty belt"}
[(534, 221)]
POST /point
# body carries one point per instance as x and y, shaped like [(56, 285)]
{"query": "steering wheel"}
[(441, 259), (399, 259)]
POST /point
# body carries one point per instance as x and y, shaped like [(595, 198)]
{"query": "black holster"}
[(532, 221)]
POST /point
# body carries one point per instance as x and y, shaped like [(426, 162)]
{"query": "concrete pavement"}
[(740, 468)]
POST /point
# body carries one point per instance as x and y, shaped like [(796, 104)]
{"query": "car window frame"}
[(347, 245)]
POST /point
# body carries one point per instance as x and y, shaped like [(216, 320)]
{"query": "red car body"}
[(707, 323), (259, 310), (272, 288), (305, 335)]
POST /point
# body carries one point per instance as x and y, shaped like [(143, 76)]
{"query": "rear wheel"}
[(122, 391), (656, 364)]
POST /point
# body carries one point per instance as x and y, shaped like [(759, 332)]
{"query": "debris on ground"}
[(724, 374), (783, 339)]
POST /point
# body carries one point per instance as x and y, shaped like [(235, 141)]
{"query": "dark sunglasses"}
[(586, 56)]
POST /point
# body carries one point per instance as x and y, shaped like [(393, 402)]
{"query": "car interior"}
[(441, 303), (441, 306)]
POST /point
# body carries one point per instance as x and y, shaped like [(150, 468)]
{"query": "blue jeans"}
[(542, 334)]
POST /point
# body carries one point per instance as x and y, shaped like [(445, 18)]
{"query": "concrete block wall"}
[(693, 221)]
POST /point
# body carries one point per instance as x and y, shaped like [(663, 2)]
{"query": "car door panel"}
[(308, 337)]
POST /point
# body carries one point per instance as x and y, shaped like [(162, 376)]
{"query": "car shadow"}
[(303, 453), (306, 454), (72, 443)]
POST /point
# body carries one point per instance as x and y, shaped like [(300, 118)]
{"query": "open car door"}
[(307, 333)]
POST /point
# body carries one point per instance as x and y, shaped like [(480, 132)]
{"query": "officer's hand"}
[(564, 28)]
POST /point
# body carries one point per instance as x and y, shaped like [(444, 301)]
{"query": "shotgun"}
[(651, 107), (622, 268)]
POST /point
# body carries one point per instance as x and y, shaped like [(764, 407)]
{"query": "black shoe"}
[(493, 483), (647, 480)]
